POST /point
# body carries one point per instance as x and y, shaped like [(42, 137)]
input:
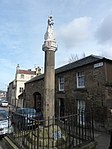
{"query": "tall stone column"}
[(49, 47)]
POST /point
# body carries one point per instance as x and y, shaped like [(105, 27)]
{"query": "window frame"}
[(61, 83), (32, 76), (21, 89), (81, 106), (22, 76), (80, 79)]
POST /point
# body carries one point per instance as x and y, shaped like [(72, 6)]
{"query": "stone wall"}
[(95, 93), (30, 89)]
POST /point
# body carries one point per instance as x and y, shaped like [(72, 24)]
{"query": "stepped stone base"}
[(47, 137)]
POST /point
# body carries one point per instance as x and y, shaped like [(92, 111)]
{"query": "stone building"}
[(85, 82), (2, 94), (11, 92)]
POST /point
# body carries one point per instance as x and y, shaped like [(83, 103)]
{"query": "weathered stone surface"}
[(97, 91), (50, 137)]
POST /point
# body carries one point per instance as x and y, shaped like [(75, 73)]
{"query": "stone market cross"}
[(49, 47)]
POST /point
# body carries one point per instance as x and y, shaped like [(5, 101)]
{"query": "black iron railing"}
[(65, 132)]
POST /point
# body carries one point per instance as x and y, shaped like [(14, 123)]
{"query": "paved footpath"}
[(103, 140)]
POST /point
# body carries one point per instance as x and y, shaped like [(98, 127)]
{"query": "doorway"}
[(61, 108)]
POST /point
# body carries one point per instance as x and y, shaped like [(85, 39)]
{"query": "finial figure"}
[(49, 35), (49, 42), (50, 21)]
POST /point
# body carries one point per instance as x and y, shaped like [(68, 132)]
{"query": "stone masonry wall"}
[(30, 89), (95, 92)]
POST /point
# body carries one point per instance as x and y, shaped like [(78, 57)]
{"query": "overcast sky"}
[(81, 26)]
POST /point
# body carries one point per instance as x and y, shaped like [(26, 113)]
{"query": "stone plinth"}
[(52, 138)]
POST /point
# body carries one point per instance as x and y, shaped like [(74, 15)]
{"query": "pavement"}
[(102, 139)]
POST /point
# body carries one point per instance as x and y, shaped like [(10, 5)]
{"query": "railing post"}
[(92, 123), (8, 118), (110, 147)]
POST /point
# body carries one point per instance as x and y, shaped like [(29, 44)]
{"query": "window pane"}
[(80, 79), (21, 89), (22, 76), (61, 83)]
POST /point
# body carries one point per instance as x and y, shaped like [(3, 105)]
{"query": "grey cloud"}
[(106, 51), (76, 32), (104, 31)]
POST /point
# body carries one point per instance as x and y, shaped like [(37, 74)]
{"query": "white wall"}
[(20, 82)]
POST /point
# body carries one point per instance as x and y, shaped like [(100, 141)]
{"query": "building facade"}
[(83, 83), (11, 92), (16, 87), (2, 94)]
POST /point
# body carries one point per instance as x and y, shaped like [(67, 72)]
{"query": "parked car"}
[(3, 103), (24, 117), (5, 123)]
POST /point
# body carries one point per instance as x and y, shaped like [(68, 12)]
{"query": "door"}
[(61, 108)]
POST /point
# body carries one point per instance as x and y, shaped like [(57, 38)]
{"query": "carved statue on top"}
[(50, 21), (49, 35)]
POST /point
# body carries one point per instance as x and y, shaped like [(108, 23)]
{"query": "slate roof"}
[(79, 63), (39, 77), (84, 61)]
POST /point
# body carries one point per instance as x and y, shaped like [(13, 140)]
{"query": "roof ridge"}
[(96, 56)]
